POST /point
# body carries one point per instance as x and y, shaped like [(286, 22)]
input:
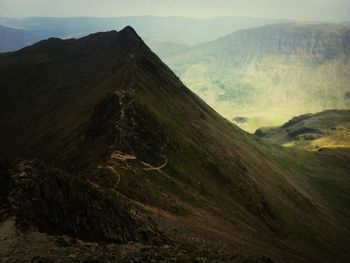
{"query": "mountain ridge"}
[(169, 28), (107, 110), (306, 38)]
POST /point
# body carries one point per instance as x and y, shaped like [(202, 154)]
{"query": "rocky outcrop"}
[(121, 123), (57, 203), (297, 119)]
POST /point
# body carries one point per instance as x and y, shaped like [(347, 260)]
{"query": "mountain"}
[(167, 49), (312, 131), (124, 162), (252, 74), (182, 30), (12, 39)]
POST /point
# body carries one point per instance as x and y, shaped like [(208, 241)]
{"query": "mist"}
[(316, 10)]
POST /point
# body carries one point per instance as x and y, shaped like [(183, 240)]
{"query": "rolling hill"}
[(252, 74), (327, 129), (127, 163)]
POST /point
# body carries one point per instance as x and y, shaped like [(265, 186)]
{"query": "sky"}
[(315, 10)]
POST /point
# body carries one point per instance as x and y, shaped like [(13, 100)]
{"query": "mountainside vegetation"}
[(107, 128), (266, 75), (327, 129)]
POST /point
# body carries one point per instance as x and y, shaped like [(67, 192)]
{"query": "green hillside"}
[(130, 144), (327, 129), (269, 74)]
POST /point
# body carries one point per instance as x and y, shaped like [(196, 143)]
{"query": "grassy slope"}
[(251, 182), (285, 204), (327, 129)]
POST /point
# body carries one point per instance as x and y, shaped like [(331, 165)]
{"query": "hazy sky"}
[(323, 10)]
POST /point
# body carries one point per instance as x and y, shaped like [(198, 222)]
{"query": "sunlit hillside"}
[(264, 76)]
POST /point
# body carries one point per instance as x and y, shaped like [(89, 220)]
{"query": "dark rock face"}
[(259, 132), (120, 123), (60, 204), (240, 120), (102, 124), (297, 119)]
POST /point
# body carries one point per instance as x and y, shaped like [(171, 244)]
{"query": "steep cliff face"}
[(59, 203), (253, 73)]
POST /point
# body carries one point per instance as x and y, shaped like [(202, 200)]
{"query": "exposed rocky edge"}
[(297, 119), (36, 247), (120, 122), (65, 219), (293, 129), (56, 203), (240, 119), (261, 132)]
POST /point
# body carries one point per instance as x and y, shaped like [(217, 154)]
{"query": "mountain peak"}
[(108, 110), (127, 32), (110, 41), (130, 30)]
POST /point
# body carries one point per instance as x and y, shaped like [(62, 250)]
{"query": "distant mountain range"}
[(171, 29), (265, 75), (248, 76), (126, 163), (14, 39)]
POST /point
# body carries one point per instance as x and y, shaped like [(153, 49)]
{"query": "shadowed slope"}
[(105, 108)]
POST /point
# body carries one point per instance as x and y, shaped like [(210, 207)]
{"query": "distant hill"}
[(268, 74), (12, 39), (126, 163), (326, 129), (182, 30), (166, 49)]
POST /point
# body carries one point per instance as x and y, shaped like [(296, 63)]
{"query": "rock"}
[(200, 260), (57, 203), (39, 259)]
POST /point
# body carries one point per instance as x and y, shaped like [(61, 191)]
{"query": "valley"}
[(267, 75), (260, 72)]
